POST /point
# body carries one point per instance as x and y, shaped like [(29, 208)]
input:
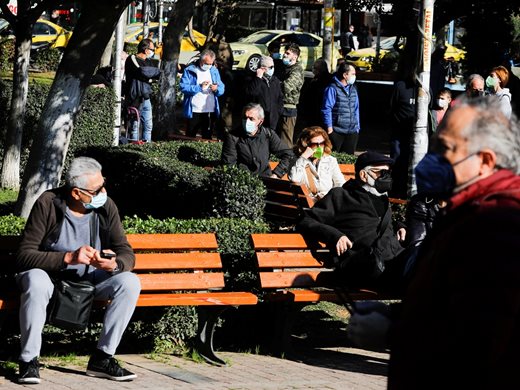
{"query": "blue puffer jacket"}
[(340, 108), (189, 87)]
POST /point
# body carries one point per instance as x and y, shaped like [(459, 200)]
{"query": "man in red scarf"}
[(459, 326)]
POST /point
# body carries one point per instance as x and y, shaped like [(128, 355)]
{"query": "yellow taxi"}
[(363, 59), (46, 32), (134, 34)]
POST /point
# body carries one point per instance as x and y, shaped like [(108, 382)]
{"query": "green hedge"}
[(171, 179), (93, 126)]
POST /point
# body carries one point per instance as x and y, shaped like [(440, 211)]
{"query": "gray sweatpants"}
[(36, 290)]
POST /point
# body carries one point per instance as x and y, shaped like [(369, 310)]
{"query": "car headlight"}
[(238, 52), (367, 59)]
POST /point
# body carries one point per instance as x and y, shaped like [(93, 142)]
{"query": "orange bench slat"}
[(278, 241), (288, 279), (174, 261), (181, 281), (176, 242), (286, 260), (196, 299)]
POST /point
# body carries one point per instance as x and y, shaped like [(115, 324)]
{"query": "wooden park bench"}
[(291, 277), (175, 270)]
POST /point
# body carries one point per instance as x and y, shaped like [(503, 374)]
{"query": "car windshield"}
[(258, 38), (386, 44)]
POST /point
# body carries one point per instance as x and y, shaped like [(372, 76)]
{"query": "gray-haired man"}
[(57, 237)]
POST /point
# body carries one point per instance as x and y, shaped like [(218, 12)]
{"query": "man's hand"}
[(260, 72), (329, 130), (273, 175), (343, 245), (401, 234), (99, 262), (82, 255), (214, 87)]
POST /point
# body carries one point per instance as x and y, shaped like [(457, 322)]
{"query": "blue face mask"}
[(434, 176), (206, 67), (249, 126), (96, 201), (286, 61), (269, 72), (277, 56)]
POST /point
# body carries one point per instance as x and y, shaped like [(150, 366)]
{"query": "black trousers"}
[(203, 122), (344, 143)]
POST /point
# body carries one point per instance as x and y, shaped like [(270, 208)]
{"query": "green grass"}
[(8, 196)]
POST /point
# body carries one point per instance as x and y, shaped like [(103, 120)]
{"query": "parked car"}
[(248, 50), (134, 34), (45, 32), (363, 59)]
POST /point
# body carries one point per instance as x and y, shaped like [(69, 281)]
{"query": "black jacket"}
[(350, 210), (267, 93), (253, 153), (138, 74)]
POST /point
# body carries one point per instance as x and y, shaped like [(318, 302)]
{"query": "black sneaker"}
[(29, 372), (108, 368)]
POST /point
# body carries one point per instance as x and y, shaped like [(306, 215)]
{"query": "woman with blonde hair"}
[(315, 167), (495, 83)]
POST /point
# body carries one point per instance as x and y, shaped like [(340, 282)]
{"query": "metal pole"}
[(146, 19), (419, 141), (118, 76), (161, 10)]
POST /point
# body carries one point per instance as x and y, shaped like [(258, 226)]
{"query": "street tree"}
[(173, 34), (92, 32), (22, 24)]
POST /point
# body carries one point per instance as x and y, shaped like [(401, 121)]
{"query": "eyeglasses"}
[(380, 172), (316, 144), (94, 192), (152, 49)]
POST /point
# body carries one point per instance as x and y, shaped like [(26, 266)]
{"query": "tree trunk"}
[(10, 177), (91, 35), (165, 123)]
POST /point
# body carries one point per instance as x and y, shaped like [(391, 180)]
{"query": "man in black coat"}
[(349, 219), (266, 90), (251, 145)]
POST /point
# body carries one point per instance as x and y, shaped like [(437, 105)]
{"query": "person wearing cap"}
[(349, 220)]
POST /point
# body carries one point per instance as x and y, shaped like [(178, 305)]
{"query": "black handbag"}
[(71, 302)]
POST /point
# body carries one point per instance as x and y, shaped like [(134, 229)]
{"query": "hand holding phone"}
[(106, 254)]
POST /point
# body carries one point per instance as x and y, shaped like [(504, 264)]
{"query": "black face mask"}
[(475, 94), (384, 182)]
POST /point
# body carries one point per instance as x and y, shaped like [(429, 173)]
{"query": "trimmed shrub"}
[(6, 54), (235, 193), (47, 60)]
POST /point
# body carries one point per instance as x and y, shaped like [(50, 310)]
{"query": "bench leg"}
[(207, 318)]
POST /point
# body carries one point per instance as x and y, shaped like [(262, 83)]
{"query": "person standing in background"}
[(201, 85), (340, 110), (495, 83), (291, 87)]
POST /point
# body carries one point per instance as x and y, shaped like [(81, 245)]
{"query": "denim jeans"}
[(145, 113)]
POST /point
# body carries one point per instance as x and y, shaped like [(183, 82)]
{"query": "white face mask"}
[(443, 103), (269, 72)]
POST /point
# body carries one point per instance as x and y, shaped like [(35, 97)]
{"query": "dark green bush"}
[(235, 193), (47, 60), (11, 225), (6, 54)]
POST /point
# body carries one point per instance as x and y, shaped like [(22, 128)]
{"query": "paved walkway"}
[(324, 368)]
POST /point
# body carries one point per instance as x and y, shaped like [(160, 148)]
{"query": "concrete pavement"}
[(323, 368)]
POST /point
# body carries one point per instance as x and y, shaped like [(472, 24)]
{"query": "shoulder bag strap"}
[(310, 179)]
